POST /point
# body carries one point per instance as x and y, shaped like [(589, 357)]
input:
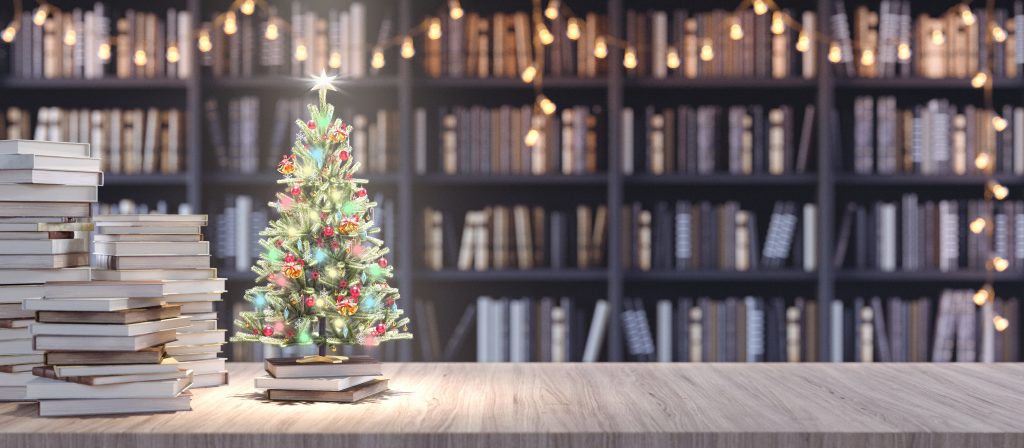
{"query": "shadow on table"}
[(379, 398)]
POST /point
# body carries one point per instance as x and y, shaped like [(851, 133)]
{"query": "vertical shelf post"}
[(826, 196), (615, 188)]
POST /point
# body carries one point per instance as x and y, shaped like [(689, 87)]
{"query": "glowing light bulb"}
[(967, 16), (455, 10), (760, 7), (629, 58), (301, 53), (377, 60), (272, 32), (551, 12), (39, 18), (572, 29), (735, 31), (528, 74), (9, 33), (835, 54), (979, 80), (1001, 323), (204, 42), (778, 23), (545, 36), (978, 225), (938, 37), (999, 191), (408, 49), (334, 60), (173, 55), (981, 161), (998, 33), (706, 52), (434, 29), (600, 48), (532, 138), (103, 52), (70, 37), (230, 23), (981, 296), (903, 51), (803, 43), (1000, 264), (672, 58), (999, 123), (546, 105), (247, 7), (140, 58), (867, 57)]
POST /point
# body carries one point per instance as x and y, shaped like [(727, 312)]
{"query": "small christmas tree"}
[(322, 276)]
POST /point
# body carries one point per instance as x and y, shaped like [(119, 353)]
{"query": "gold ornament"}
[(293, 270)]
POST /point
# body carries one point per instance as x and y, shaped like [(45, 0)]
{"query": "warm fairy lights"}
[(247, 7), (629, 58), (672, 60), (272, 32), (528, 74), (735, 31), (173, 55), (408, 49), (455, 10)]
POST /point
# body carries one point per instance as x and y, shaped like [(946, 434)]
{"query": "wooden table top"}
[(585, 405)]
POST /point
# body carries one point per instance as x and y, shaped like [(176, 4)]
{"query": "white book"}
[(152, 219), (49, 389), (483, 310), (184, 35), (210, 379), (104, 343), (92, 304), (50, 177), (7, 334), (135, 329), (51, 163), (14, 311), (176, 349), (195, 356), (323, 384), (357, 42), (202, 316), (102, 289), (21, 323), (43, 247), (196, 326), (152, 248), (196, 307), (140, 230), (47, 193), (40, 226), (16, 293), (137, 377), (243, 217), (627, 140), (15, 379), (810, 234), (836, 336), (191, 298), (17, 347), (595, 337), (205, 366), (27, 358), (63, 408), (154, 274), (44, 148), (168, 365), (47, 261), (664, 329), (12, 393), (201, 338), (150, 238), (25, 276)]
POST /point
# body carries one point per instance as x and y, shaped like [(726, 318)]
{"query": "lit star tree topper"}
[(322, 277)]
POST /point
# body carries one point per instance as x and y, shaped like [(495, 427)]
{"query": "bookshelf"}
[(404, 88)]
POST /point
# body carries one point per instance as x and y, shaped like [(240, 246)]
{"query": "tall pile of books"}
[(169, 248), (104, 344), (45, 194), (349, 381)]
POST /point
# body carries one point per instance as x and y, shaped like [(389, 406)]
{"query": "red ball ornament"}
[(315, 275), (361, 192), (343, 284), (267, 331), (354, 291), (390, 301), (343, 156), (311, 124), (256, 331), (328, 231), (296, 190), (380, 329), (290, 258), (310, 302), (383, 262)]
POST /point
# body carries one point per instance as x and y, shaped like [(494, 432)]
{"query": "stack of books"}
[(289, 379), (170, 248), (45, 191), (104, 344)]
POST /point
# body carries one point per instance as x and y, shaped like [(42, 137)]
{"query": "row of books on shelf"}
[(310, 41), (501, 45), (481, 140), (707, 139), (724, 237), (242, 144), (776, 329), (937, 137), (125, 141), (238, 222), (915, 235), (523, 237), (889, 41), (721, 44), (94, 43)]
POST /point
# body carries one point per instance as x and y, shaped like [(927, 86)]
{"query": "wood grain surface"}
[(586, 406)]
